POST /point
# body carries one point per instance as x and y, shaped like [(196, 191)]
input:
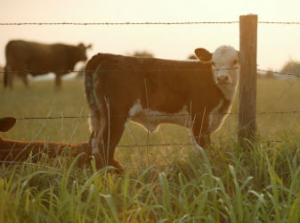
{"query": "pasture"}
[(174, 183)]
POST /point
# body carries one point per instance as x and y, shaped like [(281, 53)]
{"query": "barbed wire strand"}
[(279, 72), (142, 23), (41, 72), (153, 70), (153, 115), (279, 22), (113, 23)]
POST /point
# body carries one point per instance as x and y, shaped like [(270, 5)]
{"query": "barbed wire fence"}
[(30, 118)]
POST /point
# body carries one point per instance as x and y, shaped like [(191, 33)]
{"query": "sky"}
[(276, 43)]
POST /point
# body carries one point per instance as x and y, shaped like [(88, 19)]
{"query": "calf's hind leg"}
[(106, 139)]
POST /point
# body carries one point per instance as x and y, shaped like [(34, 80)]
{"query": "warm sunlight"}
[(163, 41), (133, 111)]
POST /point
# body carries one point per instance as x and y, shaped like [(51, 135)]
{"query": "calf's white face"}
[(225, 63), (225, 66)]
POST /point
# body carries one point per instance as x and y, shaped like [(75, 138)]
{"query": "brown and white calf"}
[(13, 150), (195, 94)]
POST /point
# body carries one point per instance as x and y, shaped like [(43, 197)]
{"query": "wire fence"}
[(151, 24)]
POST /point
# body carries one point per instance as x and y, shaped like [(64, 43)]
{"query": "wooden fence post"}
[(248, 78)]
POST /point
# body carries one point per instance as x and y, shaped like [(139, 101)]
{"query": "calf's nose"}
[(223, 79)]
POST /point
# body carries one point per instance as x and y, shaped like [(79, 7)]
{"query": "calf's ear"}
[(7, 123), (203, 54)]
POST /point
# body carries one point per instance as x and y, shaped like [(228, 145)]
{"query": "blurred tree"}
[(291, 67), (142, 53), (192, 57)]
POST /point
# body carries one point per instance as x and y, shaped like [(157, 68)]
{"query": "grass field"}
[(161, 184)]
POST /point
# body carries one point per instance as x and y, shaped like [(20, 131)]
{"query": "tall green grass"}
[(224, 183), (254, 187)]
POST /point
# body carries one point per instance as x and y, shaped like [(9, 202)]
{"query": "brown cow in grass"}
[(24, 57), (195, 94), (13, 150)]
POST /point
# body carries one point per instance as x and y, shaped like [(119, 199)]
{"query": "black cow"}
[(24, 57)]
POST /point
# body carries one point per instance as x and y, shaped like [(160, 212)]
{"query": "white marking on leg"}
[(194, 142), (90, 123)]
